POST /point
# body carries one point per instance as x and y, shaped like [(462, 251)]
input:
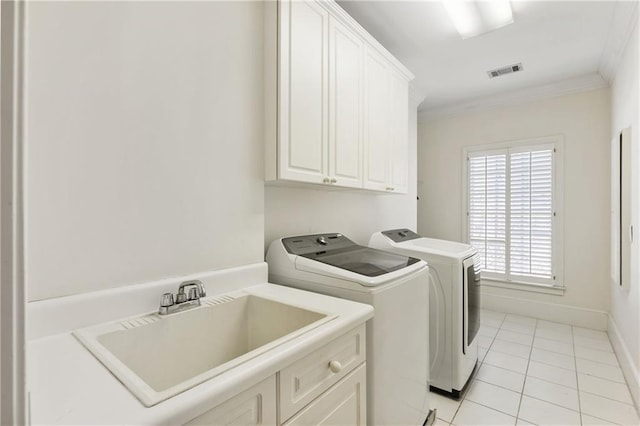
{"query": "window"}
[(512, 211)]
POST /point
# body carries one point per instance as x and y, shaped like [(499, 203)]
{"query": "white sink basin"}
[(157, 357)]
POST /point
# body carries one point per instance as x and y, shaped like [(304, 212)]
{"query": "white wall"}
[(305, 210), (144, 142), (625, 303), (583, 120)]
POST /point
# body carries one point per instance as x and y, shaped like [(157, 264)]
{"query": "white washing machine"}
[(397, 335), (454, 305)]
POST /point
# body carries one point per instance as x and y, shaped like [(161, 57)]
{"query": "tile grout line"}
[(575, 358), (552, 365), (464, 397), (498, 386), (606, 397), (575, 364), (501, 387), (493, 409), (549, 402), (507, 369), (554, 404), (511, 354), (601, 378), (554, 383), (524, 383)]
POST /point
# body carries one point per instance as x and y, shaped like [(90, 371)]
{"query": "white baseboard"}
[(629, 369), (566, 314)]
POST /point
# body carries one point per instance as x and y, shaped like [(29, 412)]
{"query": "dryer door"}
[(470, 302)]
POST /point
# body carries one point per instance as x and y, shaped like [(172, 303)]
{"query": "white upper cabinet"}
[(386, 103), (378, 130), (345, 105), (336, 101), (399, 137), (302, 119)]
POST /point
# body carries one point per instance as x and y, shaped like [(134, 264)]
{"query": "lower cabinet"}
[(343, 404), (255, 406), (326, 387)]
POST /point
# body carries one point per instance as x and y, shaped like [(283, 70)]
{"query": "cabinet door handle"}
[(333, 180), (389, 188), (631, 233), (335, 366), (326, 180)]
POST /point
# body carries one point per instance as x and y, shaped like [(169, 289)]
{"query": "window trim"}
[(529, 283)]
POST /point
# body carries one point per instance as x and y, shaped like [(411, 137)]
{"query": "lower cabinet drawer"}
[(255, 406), (343, 404), (306, 379)]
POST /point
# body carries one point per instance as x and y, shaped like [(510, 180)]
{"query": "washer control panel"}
[(307, 244), (400, 235)]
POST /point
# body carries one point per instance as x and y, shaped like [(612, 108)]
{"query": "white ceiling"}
[(561, 44)]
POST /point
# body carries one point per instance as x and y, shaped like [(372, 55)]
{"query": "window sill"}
[(524, 286)]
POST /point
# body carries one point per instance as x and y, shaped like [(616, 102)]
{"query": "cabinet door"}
[(308, 378), (343, 404), (345, 105), (255, 406), (302, 118), (399, 116), (377, 121)]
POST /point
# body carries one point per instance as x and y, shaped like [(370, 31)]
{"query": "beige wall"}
[(625, 303), (297, 211), (154, 169), (144, 142), (583, 120)]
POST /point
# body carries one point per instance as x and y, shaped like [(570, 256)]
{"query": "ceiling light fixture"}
[(473, 18)]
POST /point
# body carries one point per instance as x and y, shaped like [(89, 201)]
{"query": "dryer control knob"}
[(322, 240), (335, 366)]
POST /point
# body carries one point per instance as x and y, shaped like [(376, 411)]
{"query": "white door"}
[(13, 404), (626, 227), (399, 115), (302, 119), (345, 106), (377, 125)]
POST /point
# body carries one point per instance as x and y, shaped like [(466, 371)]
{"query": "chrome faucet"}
[(183, 300)]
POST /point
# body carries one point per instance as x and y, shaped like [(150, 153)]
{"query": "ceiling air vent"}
[(505, 70)]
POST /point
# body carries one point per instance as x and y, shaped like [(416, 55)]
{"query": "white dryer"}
[(454, 305), (397, 335)]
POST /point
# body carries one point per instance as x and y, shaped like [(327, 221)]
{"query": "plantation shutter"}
[(487, 209), (531, 213), (511, 211)]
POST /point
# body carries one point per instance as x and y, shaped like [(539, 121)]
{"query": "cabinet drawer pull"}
[(335, 366), (390, 188), (326, 180), (333, 180)]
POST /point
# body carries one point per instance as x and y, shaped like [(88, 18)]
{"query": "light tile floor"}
[(543, 373)]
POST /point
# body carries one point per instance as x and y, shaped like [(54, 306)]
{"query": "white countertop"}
[(68, 385)]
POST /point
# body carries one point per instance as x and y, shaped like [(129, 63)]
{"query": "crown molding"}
[(563, 87), (342, 15), (624, 21), (415, 95)]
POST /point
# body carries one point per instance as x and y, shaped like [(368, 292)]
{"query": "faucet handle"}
[(181, 297), (194, 293), (167, 300)]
